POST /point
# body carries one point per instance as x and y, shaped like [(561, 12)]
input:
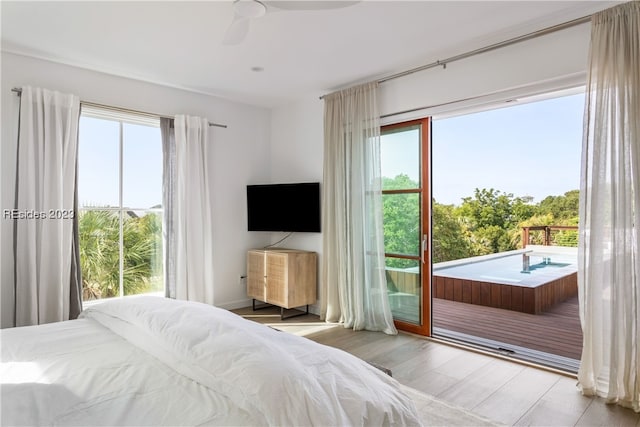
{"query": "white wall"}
[(549, 63), (239, 157), (296, 156)]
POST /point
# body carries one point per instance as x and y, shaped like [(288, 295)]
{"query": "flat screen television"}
[(284, 207)]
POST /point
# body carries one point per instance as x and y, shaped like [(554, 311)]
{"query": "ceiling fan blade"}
[(237, 31), (310, 4)]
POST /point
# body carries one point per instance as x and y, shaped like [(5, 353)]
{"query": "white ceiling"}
[(303, 53)]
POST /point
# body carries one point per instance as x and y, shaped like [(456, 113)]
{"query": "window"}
[(120, 204)]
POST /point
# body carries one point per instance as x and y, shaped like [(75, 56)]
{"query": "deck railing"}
[(548, 235), (402, 280)]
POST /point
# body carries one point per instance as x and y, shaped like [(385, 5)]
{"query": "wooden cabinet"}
[(282, 277)]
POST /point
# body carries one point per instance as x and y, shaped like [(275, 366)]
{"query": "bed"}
[(157, 361)]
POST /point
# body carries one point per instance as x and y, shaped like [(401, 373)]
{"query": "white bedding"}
[(156, 361)]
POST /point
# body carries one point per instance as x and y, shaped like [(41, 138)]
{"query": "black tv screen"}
[(284, 207)]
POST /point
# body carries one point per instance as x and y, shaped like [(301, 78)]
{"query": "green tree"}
[(561, 207), (448, 239), (401, 218), (100, 254), (489, 215)]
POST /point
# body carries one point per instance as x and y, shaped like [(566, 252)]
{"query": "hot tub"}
[(529, 280)]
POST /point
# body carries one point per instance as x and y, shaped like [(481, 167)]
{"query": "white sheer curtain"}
[(47, 274), (609, 248), (355, 290), (189, 218)]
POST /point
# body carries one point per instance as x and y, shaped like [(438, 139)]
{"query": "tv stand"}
[(282, 277)]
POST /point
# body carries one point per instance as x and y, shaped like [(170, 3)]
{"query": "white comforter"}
[(156, 361)]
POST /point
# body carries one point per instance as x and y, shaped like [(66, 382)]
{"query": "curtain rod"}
[(123, 110), (443, 63)]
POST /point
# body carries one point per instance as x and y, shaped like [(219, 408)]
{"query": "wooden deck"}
[(555, 331)]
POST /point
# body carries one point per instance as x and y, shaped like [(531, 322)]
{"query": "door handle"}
[(423, 247)]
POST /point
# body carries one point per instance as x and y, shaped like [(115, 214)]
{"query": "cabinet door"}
[(302, 279), (277, 279), (256, 275)]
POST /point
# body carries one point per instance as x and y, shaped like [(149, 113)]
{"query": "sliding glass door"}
[(406, 204)]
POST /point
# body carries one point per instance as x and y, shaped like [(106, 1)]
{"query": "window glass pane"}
[(400, 158), (98, 162), (142, 241), (99, 254), (142, 167), (401, 223), (404, 289)]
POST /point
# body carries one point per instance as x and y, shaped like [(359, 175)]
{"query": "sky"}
[(98, 164), (532, 149)]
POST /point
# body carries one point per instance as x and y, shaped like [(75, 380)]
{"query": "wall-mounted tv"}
[(284, 207)]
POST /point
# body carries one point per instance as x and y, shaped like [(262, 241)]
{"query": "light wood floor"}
[(507, 392)]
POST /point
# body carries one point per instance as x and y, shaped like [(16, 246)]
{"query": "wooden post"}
[(547, 236), (525, 237)]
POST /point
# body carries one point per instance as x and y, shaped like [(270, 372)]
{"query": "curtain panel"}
[(609, 244), (168, 195), (355, 290), (47, 278), (188, 221)]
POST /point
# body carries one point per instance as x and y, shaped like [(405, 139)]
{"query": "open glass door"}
[(405, 158)]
